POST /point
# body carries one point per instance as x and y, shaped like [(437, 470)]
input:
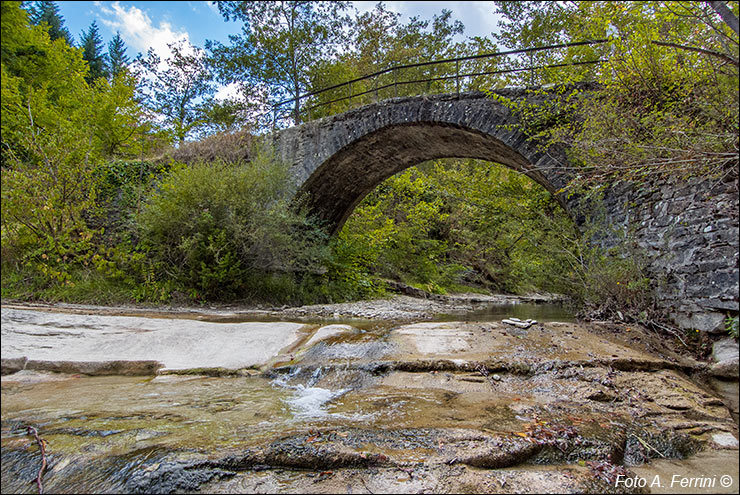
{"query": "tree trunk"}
[(726, 14), (296, 108)]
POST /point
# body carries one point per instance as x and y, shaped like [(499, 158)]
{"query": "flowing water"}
[(523, 311), (459, 404)]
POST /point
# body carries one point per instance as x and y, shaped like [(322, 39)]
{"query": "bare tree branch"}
[(712, 53), (42, 448)]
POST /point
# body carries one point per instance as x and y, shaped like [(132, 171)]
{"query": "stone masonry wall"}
[(689, 232)]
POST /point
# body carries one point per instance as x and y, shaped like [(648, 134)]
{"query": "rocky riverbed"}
[(393, 308), (367, 405)]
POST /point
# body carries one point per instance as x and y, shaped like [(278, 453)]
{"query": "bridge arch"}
[(338, 160)]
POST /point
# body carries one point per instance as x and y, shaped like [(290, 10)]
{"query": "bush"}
[(616, 283), (731, 324), (229, 147), (229, 230), (453, 224)]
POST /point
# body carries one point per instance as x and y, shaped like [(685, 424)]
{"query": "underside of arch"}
[(342, 181)]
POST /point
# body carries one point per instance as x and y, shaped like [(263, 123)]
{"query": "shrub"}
[(223, 229), (229, 147), (731, 324), (453, 224)]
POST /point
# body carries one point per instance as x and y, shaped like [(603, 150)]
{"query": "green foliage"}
[(122, 126), (453, 223), (605, 283), (174, 87), (668, 98), (666, 105), (378, 41), (57, 132), (731, 325), (227, 116), (279, 44), (46, 13), (89, 216), (214, 227), (124, 186), (458, 225), (49, 154)]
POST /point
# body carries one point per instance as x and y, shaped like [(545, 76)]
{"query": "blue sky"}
[(145, 24), (155, 24)]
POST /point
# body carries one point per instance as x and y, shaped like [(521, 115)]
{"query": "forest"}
[(125, 180)]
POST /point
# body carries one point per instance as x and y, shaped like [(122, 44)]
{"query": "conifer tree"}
[(117, 58), (48, 12), (92, 52)]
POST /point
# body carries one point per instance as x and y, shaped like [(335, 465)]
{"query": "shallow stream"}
[(462, 403)]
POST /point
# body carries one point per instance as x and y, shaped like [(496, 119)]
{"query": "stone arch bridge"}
[(340, 159), (687, 229)]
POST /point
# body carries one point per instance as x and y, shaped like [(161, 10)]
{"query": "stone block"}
[(725, 349), (708, 321), (725, 369)]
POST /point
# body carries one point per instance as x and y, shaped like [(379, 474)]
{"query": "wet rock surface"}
[(392, 308), (457, 407)]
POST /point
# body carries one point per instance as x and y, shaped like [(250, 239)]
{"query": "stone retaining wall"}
[(688, 229)]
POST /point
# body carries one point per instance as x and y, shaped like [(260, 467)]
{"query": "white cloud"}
[(213, 7), (138, 30), (231, 91), (478, 17)]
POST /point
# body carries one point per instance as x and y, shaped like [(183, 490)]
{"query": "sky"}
[(145, 24), (155, 23)]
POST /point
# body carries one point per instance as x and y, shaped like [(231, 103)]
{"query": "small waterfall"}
[(307, 400), (313, 390)]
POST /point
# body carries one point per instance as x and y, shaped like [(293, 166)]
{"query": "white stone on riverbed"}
[(434, 337), (176, 343), (519, 323), (725, 441)]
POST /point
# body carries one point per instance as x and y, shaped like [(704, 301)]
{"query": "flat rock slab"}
[(709, 471), (326, 332), (463, 342), (177, 344), (420, 479)]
